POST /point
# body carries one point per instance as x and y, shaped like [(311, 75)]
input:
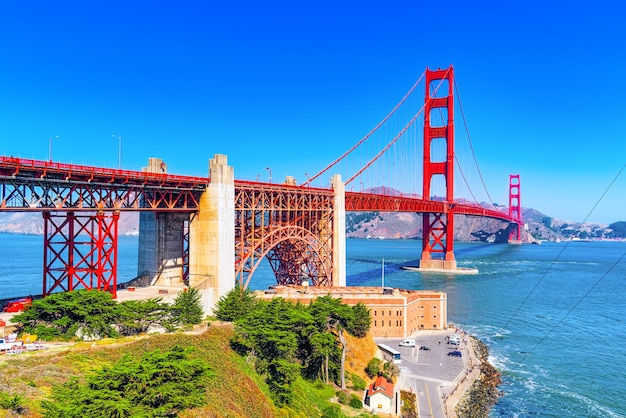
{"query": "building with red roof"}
[(380, 395)]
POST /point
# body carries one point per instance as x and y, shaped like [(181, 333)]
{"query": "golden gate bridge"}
[(212, 232)]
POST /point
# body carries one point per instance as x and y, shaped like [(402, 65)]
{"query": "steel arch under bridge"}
[(292, 227)]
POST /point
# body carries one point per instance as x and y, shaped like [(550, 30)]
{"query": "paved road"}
[(430, 374)]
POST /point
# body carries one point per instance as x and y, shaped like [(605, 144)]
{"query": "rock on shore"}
[(483, 394)]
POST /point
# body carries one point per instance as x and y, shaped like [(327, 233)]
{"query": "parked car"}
[(408, 342), (455, 353), (424, 347)]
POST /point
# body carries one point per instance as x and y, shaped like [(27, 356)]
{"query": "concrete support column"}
[(161, 241), (339, 231), (212, 236)]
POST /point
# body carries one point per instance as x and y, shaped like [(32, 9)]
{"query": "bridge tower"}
[(438, 228), (80, 251), (515, 210)]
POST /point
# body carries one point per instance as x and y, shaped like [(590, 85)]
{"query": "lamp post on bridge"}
[(50, 147), (119, 150), (308, 180), (270, 170)]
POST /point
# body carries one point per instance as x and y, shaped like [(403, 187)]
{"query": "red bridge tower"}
[(438, 228)]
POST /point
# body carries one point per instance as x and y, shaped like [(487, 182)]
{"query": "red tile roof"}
[(381, 385)]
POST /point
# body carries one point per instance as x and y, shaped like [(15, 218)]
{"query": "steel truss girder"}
[(45, 194), (291, 227), (80, 251)]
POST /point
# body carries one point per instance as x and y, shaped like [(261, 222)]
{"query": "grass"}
[(235, 391)]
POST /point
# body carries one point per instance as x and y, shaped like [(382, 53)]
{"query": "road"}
[(430, 374)]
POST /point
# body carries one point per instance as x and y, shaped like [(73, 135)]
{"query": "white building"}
[(379, 396)]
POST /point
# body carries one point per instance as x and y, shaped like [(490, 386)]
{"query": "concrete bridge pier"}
[(160, 257), (339, 231), (212, 236)]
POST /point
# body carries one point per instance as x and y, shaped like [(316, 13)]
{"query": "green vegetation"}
[(235, 305), (409, 404), (93, 314), (12, 403), (355, 220), (159, 384), (272, 363), (373, 367), (285, 340)]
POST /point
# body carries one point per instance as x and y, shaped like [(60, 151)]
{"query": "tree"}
[(187, 308), (373, 367), (332, 316), (235, 304), (159, 384), (272, 334), (89, 312), (137, 316)]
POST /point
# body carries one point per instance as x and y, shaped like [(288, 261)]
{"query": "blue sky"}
[(292, 85)]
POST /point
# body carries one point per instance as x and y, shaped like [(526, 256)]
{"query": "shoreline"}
[(476, 393)]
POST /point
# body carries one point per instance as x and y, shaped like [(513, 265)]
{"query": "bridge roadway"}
[(64, 186), (431, 374)]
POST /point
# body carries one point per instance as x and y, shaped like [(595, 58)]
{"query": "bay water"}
[(551, 314)]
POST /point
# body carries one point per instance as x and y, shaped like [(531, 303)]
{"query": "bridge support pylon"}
[(339, 231), (80, 252), (515, 210), (161, 237), (438, 228), (212, 236)]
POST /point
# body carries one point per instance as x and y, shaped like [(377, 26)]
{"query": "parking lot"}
[(430, 373)]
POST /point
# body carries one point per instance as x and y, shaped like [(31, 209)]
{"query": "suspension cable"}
[(308, 182), (469, 138), (397, 136)]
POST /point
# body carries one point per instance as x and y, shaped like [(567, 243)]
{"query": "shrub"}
[(357, 382), (158, 384), (12, 403), (342, 397), (373, 367), (332, 411), (355, 402)]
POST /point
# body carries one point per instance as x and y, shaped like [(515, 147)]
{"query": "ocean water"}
[(552, 314)]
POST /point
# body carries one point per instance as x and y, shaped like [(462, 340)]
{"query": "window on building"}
[(374, 322), (389, 313), (390, 322), (382, 313), (374, 313)]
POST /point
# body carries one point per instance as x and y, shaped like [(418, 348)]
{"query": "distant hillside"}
[(392, 225), (32, 223), (470, 228)]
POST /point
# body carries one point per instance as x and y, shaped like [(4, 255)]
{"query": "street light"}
[(119, 150), (270, 170), (50, 147)]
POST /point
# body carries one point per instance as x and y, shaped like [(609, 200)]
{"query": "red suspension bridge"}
[(211, 232)]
